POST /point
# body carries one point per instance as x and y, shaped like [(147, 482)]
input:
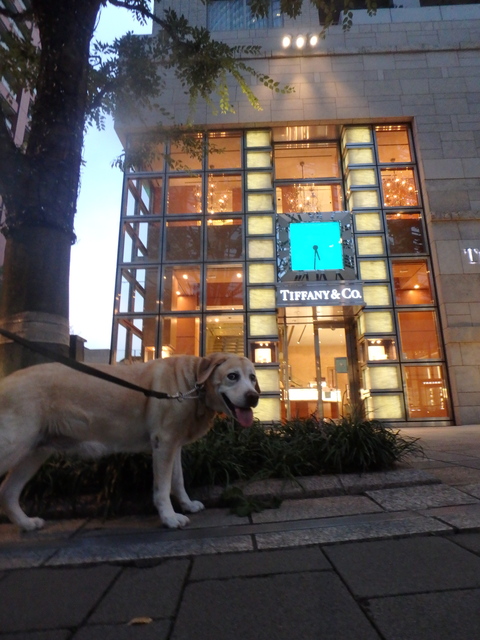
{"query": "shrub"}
[(227, 454)]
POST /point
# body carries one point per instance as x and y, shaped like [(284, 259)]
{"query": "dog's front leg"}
[(163, 460), (178, 487)]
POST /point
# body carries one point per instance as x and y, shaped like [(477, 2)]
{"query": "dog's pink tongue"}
[(244, 416)]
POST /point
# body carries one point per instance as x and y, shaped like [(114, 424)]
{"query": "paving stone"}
[(422, 497), (411, 565), (461, 517), (259, 563), (300, 602), (303, 487), (150, 591), (471, 489), (155, 630), (317, 508), (428, 616), (105, 551), (20, 558), (366, 530), (457, 475), (53, 530), (470, 541), (40, 599), (53, 634), (359, 483), (215, 518)]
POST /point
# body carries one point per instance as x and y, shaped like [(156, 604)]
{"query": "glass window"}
[(379, 349), (184, 195), (405, 233), (181, 288), (304, 198), (306, 161), (225, 333), (384, 377), (419, 335), (184, 156), (224, 239), (368, 221), (139, 290), (385, 407), (393, 144), (224, 150), (373, 269), (224, 193), (180, 335), (141, 241), (411, 279), (370, 245), (183, 240), (135, 340), (145, 154), (144, 197), (426, 391), (225, 286), (399, 187), (225, 15), (362, 155)]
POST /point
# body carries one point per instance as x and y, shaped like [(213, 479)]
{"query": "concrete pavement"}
[(391, 555)]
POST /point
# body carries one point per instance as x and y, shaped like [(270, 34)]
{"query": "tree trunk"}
[(40, 187), (36, 275)]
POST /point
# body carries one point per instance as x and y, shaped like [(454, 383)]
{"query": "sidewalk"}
[(408, 565)]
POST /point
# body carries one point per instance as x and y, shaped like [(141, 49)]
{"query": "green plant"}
[(228, 454)]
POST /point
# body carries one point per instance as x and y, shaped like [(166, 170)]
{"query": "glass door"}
[(332, 369), (318, 362)]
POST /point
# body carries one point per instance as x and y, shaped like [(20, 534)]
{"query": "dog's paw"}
[(193, 506), (175, 521), (32, 524)]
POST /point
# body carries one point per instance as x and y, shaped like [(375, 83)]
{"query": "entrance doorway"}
[(317, 361)]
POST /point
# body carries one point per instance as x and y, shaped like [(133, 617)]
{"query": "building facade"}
[(333, 236)]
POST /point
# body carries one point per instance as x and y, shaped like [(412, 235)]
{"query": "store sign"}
[(317, 294), (472, 254)]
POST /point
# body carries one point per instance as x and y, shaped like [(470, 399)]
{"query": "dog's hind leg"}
[(178, 487), (12, 487)]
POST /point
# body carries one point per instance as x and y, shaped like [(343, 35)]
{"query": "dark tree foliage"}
[(77, 82)]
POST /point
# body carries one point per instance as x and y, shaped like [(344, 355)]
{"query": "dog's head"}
[(230, 384)]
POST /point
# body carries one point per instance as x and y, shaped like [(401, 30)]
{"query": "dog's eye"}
[(232, 376), (253, 377)]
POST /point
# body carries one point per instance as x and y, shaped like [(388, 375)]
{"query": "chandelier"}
[(303, 197), (399, 188)]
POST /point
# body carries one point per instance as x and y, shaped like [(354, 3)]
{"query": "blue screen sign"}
[(316, 246)]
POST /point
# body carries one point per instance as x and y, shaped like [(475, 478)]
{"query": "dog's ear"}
[(207, 366)]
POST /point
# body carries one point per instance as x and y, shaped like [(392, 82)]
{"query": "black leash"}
[(91, 371)]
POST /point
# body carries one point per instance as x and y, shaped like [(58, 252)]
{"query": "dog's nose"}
[(251, 398)]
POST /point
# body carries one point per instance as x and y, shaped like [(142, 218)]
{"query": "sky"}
[(94, 256)]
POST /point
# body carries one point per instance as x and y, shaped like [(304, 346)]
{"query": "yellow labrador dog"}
[(50, 407)]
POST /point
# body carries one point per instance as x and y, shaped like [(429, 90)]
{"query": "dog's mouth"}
[(243, 416)]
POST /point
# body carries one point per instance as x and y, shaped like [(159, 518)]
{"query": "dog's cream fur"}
[(50, 407)]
